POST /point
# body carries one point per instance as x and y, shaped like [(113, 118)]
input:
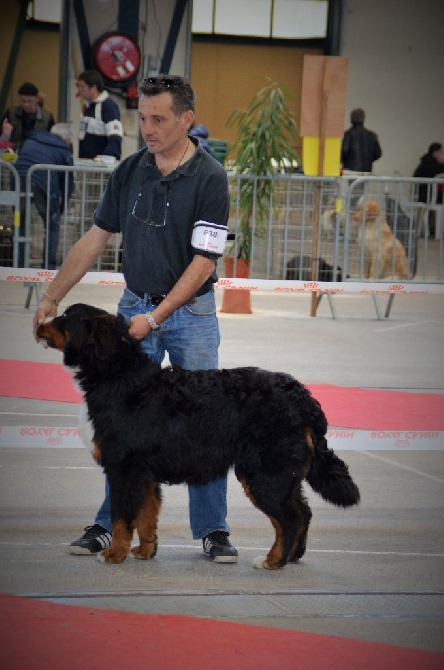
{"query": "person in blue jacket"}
[(54, 147), (100, 132), (200, 132)]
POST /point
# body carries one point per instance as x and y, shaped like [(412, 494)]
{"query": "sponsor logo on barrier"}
[(48, 431), (109, 282), (341, 434), (404, 435), (228, 283)]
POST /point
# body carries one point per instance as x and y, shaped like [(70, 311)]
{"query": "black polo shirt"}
[(156, 216)]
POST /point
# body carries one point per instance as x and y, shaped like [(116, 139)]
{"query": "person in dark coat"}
[(54, 147), (360, 147), (431, 164), (20, 120), (201, 133)]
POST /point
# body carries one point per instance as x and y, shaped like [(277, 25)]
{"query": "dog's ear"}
[(92, 339)]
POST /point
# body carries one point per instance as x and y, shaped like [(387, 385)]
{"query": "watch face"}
[(117, 57)]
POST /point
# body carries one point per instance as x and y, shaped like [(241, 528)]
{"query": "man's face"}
[(161, 129), (86, 92), (29, 103)]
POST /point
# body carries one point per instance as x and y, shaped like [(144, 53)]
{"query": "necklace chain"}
[(183, 155), (165, 172)]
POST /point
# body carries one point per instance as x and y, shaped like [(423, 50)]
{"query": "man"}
[(360, 147), (55, 148), (100, 132), (430, 165), (158, 198), (19, 121)]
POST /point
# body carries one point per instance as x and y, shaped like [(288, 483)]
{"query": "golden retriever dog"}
[(384, 254)]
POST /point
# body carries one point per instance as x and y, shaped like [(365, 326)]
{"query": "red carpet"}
[(39, 635), (345, 407)]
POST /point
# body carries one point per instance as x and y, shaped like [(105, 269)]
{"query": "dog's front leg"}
[(120, 544), (146, 523)]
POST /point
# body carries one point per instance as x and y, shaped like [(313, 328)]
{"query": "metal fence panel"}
[(309, 225)]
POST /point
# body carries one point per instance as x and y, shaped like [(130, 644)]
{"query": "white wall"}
[(396, 74)]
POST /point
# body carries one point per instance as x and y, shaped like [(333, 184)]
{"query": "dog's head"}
[(85, 334), (368, 212)]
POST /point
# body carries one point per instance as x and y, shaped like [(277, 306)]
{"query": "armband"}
[(210, 237)]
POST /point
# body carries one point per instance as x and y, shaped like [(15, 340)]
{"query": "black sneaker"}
[(95, 539), (217, 546)]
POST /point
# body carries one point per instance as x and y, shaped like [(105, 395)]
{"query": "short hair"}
[(179, 87), (357, 116), (63, 130), (435, 146), (92, 78)]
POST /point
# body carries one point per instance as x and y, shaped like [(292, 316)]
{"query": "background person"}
[(201, 133), (360, 147), (430, 164), (54, 147), (158, 199), (100, 132), (20, 120)]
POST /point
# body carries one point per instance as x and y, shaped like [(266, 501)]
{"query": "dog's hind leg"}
[(288, 520), (303, 511), (146, 523)]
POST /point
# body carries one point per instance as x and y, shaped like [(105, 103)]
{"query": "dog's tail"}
[(329, 476)]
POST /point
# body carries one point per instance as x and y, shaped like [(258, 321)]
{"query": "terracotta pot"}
[(237, 300)]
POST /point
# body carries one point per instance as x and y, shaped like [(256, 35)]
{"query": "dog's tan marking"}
[(309, 439), (120, 544), (146, 525), (45, 331), (96, 453), (273, 560)]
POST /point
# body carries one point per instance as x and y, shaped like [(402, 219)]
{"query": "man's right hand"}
[(45, 308)]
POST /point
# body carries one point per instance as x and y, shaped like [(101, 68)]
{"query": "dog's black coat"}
[(299, 268), (156, 425)]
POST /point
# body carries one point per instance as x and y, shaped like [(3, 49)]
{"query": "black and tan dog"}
[(155, 425)]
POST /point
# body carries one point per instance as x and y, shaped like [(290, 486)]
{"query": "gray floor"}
[(374, 572)]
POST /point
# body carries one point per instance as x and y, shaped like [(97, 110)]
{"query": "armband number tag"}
[(209, 237)]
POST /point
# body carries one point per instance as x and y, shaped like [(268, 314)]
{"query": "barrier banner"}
[(276, 285), (63, 437)]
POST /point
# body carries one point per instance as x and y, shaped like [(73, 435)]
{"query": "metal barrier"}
[(9, 214), (32, 241), (309, 231), (312, 218)]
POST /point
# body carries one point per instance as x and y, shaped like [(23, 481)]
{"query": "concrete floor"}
[(374, 572)]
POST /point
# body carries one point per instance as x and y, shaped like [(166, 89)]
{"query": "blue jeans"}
[(191, 338), (52, 227)]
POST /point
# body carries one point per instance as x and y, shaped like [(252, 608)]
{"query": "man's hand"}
[(7, 128), (139, 327), (44, 309)]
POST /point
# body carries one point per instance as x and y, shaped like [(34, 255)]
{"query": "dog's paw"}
[(111, 556), (260, 562)]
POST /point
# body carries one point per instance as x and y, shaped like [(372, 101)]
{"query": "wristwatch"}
[(153, 324)]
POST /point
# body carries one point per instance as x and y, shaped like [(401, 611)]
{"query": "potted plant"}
[(266, 134)]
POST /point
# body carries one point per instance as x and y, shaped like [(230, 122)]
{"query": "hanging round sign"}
[(117, 57)]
